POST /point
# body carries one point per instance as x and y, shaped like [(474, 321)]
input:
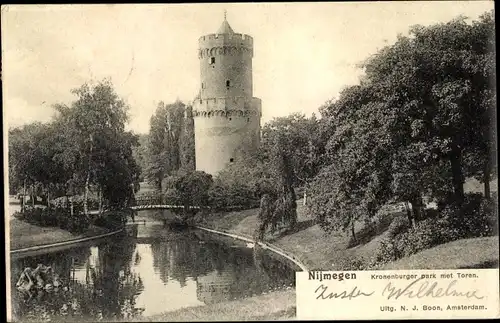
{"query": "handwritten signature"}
[(418, 288), (355, 292), (426, 289)]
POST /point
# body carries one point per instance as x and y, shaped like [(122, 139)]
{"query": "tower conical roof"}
[(225, 28)]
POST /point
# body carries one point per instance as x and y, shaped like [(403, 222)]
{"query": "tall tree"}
[(140, 153), (302, 142), (404, 131), (171, 142), (187, 147), (92, 127), (438, 80)]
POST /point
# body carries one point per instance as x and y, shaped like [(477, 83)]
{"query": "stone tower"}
[(226, 115)]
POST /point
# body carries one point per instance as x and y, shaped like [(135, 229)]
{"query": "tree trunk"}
[(417, 206), (71, 205), (100, 199), (305, 198), (32, 196), (87, 180), (48, 199), (353, 231), (86, 194), (457, 174), (409, 214), (23, 200), (486, 179)]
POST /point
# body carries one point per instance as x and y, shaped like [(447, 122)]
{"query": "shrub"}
[(113, 219), (56, 217), (351, 263), (426, 234), (386, 252), (398, 225), (106, 222), (477, 218), (224, 196), (402, 240), (172, 196)]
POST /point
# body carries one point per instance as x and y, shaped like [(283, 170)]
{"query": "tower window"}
[(212, 60), (228, 83), (231, 160), (202, 85)]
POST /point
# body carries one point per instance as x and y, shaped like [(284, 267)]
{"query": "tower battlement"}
[(242, 39), (225, 44), (240, 106)]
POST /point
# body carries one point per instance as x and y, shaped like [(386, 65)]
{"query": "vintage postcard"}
[(250, 161)]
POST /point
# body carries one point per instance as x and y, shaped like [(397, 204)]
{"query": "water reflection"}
[(152, 270)]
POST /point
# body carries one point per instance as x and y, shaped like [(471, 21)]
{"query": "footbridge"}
[(156, 201)]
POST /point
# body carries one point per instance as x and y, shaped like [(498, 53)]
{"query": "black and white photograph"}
[(185, 162)]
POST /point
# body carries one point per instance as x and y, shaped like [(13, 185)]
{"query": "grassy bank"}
[(465, 253), (279, 305), (24, 235), (318, 250), (309, 243)]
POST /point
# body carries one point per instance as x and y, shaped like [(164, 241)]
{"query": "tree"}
[(285, 211), (242, 183), (193, 188), (356, 181), (118, 176), (302, 143), (31, 161), (93, 147), (438, 79), (171, 142), (140, 153), (187, 147), (404, 131)]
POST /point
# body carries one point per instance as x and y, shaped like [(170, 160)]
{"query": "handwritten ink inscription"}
[(419, 288), (323, 293)]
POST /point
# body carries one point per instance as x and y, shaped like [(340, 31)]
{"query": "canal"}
[(149, 269)]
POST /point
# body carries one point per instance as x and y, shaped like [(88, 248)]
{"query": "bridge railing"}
[(156, 200)]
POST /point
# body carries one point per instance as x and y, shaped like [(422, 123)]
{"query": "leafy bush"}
[(351, 263), (56, 217), (386, 252), (477, 218), (398, 225), (189, 188), (222, 197), (241, 185), (172, 196), (402, 240), (232, 195), (426, 234)]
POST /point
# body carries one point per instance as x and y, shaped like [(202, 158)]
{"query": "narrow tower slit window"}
[(231, 160), (228, 84), (212, 60)]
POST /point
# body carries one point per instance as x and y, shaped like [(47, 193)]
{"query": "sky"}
[(304, 53)]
